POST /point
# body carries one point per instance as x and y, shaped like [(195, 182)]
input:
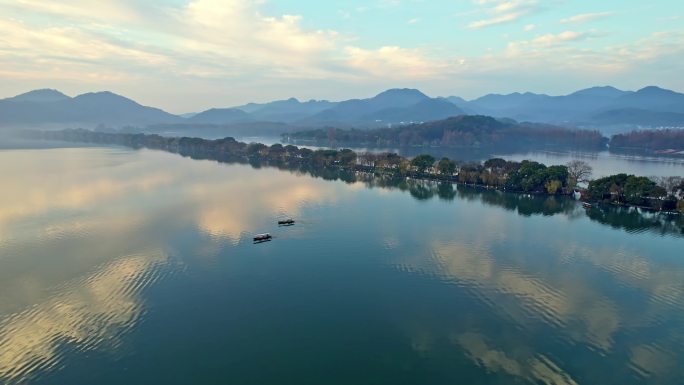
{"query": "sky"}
[(190, 55)]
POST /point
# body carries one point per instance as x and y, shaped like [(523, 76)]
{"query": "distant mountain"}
[(289, 110), (597, 106), (49, 107), (496, 102), (40, 96), (601, 92), (221, 116), (367, 111), (603, 107), (423, 111), (651, 98)]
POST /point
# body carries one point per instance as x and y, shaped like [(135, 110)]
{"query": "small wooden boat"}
[(586, 205), (262, 237), (286, 222)]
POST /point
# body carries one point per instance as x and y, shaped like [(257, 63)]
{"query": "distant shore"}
[(525, 177)]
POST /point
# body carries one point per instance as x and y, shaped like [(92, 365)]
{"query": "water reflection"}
[(478, 284), (629, 219), (531, 368), (592, 294), (88, 313), (84, 231)]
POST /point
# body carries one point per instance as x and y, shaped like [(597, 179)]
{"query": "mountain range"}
[(596, 107)]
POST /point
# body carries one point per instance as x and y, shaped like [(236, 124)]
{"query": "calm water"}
[(137, 267)]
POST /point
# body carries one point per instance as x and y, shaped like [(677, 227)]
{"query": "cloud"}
[(503, 11), (495, 20), (205, 38), (563, 37), (529, 27), (584, 17), (394, 62)]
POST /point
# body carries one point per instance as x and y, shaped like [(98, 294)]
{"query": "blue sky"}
[(188, 55)]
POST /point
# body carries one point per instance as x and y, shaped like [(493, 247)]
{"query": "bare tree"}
[(672, 184), (579, 171)]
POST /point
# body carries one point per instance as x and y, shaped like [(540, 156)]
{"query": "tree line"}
[(482, 131), (649, 139), (526, 176), (470, 131)]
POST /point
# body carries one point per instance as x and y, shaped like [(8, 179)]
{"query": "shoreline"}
[(378, 164)]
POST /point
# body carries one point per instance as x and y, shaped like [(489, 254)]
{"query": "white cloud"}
[(563, 37), (495, 20), (394, 62), (584, 17), (529, 27), (205, 38), (503, 11)]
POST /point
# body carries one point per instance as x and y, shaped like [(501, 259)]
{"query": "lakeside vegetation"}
[(529, 177), (656, 140)]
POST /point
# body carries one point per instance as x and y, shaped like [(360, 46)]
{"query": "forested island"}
[(478, 132), (465, 131), (525, 177)]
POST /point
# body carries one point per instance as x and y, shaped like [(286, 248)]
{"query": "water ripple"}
[(89, 313)]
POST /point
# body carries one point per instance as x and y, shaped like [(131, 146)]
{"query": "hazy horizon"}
[(186, 56), (321, 99)]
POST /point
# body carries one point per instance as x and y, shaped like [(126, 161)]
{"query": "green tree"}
[(637, 188), (495, 163), (276, 151), (422, 162), (552, 186), (347, 157), (404, 166), (256, 149), (446, 166), (306, 153)]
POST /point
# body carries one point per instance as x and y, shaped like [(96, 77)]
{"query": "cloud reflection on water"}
[(99, 214)]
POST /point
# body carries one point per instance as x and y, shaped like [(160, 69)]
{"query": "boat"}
[(586, 205), (262, 237), (286, 222)]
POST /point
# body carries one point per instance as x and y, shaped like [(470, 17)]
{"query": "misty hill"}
[(220, 116), (391, 106), (289, 110), (40, 96), (423, 111), (607, 108), (50, 107), (651, 98), (462, 131), (597, 106)]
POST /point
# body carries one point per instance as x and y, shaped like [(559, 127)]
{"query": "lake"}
[(136, 267)]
